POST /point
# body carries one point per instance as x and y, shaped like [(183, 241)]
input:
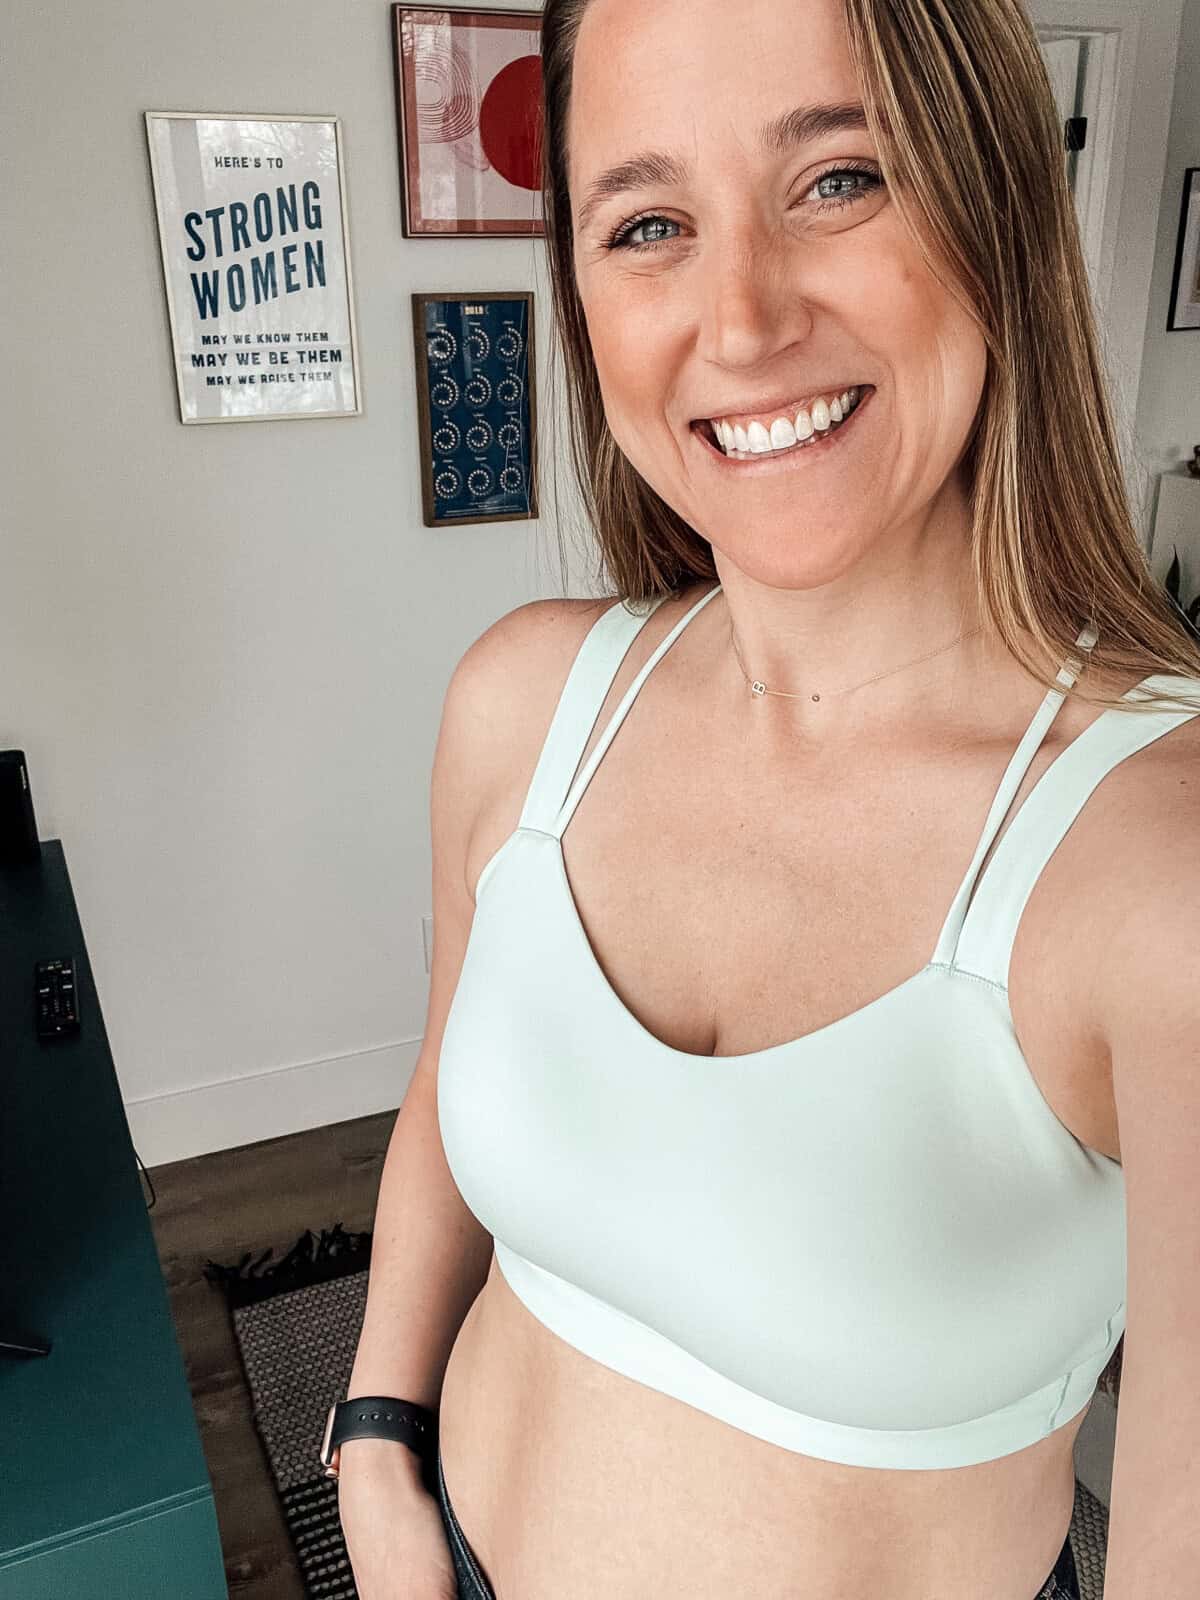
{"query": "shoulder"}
[(1156, 790), (499, 707), (520, 662), (506, 688), (1148, 870), (516, 669), (536, 625)]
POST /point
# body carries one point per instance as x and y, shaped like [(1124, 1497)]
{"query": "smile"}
[(817, 445)]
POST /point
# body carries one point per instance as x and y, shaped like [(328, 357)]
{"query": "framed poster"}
[(1184, 309), (255, 248), (478, 414), (469, 120)]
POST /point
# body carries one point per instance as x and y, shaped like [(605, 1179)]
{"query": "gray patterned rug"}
[(297, 1324)]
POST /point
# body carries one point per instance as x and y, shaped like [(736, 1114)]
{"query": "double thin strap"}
[(978, 933), (984, 945), (548, 806), (947, 948)]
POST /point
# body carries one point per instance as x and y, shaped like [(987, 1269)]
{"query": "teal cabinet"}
[(104, 1490)]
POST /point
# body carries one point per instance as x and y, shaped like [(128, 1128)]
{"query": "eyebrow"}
[(775, 137)]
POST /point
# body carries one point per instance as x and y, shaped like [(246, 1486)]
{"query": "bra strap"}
[(986, 943), (946, 951), (588, 682), (597, 756)]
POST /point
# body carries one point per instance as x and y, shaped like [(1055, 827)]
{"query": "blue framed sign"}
[(478, 411)]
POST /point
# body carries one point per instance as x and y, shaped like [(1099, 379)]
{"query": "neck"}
[(911, 592)]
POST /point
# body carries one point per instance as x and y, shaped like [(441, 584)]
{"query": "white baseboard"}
[(266, 1105)]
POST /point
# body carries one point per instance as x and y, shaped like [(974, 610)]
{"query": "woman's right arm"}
[(429, 1254)]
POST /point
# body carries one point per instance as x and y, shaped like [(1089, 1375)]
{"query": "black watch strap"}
[(379, 1417)]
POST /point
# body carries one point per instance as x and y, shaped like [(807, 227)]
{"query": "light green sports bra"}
[(876, 1243)]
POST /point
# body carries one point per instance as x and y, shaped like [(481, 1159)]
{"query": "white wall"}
[(1169, 396), (1134, 62), (224, 649), (1168, 413)]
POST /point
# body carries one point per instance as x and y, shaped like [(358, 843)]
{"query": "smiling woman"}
[(778, 1067), (949, 140)]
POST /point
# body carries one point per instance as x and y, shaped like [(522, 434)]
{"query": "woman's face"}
[(765, 277)]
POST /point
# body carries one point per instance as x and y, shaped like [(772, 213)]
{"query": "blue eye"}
[(620, 238)]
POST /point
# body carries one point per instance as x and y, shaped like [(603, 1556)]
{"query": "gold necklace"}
[(757, 687)]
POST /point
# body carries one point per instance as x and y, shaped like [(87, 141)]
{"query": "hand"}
[(393, 1526)]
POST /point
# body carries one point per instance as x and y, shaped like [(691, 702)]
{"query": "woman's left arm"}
[(1150, 982)]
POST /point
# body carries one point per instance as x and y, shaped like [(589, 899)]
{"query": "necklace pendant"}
[(758, 688)]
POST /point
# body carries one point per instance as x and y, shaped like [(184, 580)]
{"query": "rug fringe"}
[(336, 1253)]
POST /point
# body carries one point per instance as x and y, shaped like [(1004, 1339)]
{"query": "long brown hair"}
[(969, 140), (970, 144)]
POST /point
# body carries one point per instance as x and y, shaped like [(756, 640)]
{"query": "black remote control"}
[(55, 1007)]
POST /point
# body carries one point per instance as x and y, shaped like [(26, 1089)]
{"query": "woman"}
[(808, 1257)]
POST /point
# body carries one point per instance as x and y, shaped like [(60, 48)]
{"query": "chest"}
[(729, 917), (901, 1160)]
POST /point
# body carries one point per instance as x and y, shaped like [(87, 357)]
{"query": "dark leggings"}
[(473, 1584), (472, 1580)]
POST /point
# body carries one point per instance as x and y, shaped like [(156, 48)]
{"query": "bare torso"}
[(571, 1480)]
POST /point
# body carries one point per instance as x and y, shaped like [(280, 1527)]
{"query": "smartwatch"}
[(377, 1417)]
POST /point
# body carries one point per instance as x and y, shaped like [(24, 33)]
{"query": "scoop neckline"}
[(599, 979)]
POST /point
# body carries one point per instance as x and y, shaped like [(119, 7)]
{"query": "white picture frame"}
[(262, 323)]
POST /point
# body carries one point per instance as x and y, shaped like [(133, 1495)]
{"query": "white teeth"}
[(755, 439)]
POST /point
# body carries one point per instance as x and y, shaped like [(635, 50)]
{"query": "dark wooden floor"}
[(219, 1207)]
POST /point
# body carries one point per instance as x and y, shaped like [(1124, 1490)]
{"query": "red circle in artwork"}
[(510, 122)]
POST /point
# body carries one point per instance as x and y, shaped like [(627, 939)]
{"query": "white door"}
[(1112, 62)]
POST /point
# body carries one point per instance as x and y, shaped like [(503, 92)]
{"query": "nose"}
[(751, 300)]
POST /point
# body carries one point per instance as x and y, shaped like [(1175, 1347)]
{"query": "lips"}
[(785, 408), (708, 432), (812, 448)]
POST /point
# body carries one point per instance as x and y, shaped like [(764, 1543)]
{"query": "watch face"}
[(326, 1455)]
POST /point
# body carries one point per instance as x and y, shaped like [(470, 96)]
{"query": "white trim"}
[(270, 1104)]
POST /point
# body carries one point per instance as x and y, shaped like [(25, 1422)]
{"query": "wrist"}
[(379, 1420), (379, 1455)]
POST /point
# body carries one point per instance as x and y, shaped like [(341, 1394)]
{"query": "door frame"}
[(1133, 47)]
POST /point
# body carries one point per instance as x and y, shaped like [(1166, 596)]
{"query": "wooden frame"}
[(255, 251), (468, 121), (475, 367)]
